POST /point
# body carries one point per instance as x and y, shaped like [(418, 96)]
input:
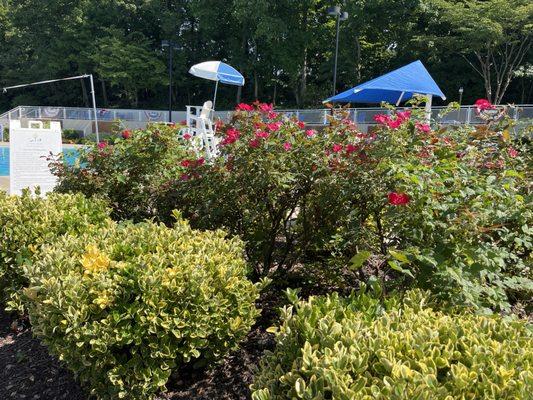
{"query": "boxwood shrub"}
[(124, 308), (28, 222), (357, 348)]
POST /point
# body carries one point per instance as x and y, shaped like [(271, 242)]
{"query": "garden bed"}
[(29, 372)]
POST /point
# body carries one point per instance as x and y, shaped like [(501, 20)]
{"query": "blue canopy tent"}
[(394, 87)]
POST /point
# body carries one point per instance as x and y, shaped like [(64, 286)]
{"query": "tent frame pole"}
[(400, 99), (428, 108)]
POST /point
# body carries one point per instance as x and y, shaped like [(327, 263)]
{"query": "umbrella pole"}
[(215, 98)]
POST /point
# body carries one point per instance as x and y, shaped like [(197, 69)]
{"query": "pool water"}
[(71, 155)]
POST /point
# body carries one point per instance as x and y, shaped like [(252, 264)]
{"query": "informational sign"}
[(28, 152)]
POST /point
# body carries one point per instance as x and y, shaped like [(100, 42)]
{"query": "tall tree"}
[(494, 36)]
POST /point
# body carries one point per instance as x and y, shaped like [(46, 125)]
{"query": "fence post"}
[(468, 115), (325, 118)]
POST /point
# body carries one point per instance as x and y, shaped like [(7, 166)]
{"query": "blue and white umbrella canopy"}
[(219, 72)]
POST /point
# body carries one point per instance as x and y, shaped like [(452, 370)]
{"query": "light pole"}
[(461, 90), (341, 16), (171, 46)]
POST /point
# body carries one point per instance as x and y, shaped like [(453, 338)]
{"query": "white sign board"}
[(28, 150)]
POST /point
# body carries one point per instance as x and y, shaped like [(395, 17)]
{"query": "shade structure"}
[(219, 72), (396, 86)]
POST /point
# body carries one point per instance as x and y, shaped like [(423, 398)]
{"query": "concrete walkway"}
[(4, 183)]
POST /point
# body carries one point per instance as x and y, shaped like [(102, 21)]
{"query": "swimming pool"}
[(71, 155)]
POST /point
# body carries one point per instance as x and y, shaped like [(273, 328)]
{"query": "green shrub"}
[(357, 348), (28, 222), (125, 307), (132, 171)]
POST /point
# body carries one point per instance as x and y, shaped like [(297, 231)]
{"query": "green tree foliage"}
[(284, 48), (494, 43)]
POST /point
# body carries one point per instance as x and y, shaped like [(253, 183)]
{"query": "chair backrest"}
[(206, 110)]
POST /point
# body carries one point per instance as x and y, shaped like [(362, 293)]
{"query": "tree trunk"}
[(256, 86), (84, 93), (104, 93), (357, 59)]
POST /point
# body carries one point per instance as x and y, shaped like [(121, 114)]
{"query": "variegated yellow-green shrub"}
[(28, 222), (124, 308), (357, 348)]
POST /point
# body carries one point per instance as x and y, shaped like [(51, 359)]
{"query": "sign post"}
[(28, 152)]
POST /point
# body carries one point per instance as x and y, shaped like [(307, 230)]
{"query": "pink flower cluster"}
[(232, 135), (483, 104), (393, 123)]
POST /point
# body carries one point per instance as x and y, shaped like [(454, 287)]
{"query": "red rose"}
[(126, 134), (483, 104), (287, 146), (273, 115), (350, 148), (244, 107), (262, 134), (186, 163), (337, 147), (274, 126), (232, 135), (254, 143), (398, 199), (425, 128), (200, 161), (382, 119), (310, 132), (102, 145), (512, 152), (264, 107), (301, 124), (187, 136), (403, 116)]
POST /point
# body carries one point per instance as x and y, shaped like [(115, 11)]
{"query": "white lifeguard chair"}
[(201, 127)]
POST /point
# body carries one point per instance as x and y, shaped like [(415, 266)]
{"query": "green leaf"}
[(394, 265), (359, 259)]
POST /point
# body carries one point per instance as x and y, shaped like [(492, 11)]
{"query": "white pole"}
[(399, 99), (94, 109), (215, 98), (428, 108)]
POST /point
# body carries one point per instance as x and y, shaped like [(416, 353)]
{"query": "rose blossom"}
[(244, 107), (398, 199), (425, 128), (337, 147), (274, 126), (287, 146)]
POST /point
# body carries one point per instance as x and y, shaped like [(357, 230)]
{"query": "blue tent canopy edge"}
[(398, 85)]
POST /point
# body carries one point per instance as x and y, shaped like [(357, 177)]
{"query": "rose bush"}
[(273, 185), (131, 173), (445, 209)]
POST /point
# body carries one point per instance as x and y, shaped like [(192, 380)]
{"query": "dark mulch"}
[(27, 371)]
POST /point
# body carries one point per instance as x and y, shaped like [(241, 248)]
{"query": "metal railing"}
[(361, 116)]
